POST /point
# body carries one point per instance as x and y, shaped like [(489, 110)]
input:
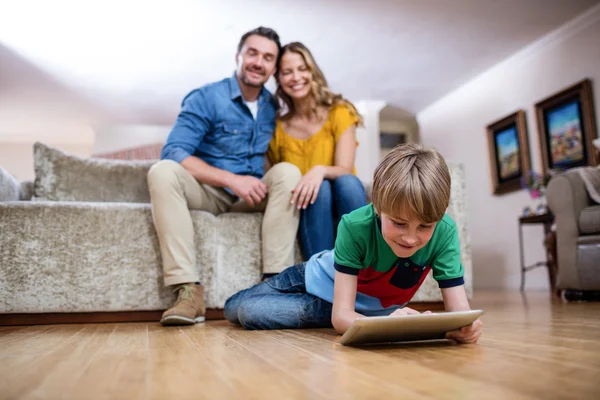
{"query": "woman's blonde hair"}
[(412, 180), (323, 96)]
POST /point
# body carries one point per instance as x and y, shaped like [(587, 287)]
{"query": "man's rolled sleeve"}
[(174, 153), (192, 124)]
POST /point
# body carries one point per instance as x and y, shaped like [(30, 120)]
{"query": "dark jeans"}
[(280, 302), (318, 222)]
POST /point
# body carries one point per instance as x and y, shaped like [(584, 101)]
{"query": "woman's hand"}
[(307, 189)]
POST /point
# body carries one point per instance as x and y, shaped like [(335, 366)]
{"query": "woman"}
[(316, 131)]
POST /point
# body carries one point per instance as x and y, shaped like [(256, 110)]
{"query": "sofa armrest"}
[(10, 187)]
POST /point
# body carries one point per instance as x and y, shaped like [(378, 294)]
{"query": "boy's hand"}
[(406, 311), (468, 334)]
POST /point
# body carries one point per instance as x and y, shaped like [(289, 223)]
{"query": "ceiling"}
[(135, 60)]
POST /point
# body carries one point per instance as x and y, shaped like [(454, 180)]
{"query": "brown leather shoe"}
[(189, 307)]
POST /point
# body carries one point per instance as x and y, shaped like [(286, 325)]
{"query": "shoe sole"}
[(179, 320)]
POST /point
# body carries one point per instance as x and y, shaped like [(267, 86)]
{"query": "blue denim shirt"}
[(216, 126)]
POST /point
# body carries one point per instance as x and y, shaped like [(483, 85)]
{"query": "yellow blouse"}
[(319, 149)]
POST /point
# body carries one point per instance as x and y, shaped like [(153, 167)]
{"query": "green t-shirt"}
[(361, 250)]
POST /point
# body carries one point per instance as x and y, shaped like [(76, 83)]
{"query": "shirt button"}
[(235, 131), (406, 264)]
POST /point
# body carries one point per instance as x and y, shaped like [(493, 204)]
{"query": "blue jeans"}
[(318, 222), (280, 302)]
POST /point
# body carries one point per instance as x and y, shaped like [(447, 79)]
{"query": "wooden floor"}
[(531, 348)]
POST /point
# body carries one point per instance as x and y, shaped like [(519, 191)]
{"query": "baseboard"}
[(91, 317), (135, 316)]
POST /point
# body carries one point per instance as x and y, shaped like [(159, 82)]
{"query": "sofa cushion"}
[(589, 220), (26, 190), (10, 188), (64, 177)]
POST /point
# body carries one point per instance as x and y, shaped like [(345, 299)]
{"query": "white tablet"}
[(407, 327)]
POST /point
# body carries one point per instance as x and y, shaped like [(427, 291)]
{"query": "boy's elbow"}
[(338, 324)]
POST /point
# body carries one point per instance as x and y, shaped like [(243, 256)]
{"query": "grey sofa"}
[(81, 239), (577, 219)]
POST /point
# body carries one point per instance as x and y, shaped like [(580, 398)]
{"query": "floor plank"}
[(316, 370), (533, 347), (245, 369), (390, 364), (177, 369)]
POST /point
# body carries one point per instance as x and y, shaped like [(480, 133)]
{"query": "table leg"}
[(551, 256), (522, 257)]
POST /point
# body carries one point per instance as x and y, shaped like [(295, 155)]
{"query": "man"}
[(214, 160)]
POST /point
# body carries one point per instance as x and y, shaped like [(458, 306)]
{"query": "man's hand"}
[(307, 189), (467, 334), (406, 311), (250, 189)]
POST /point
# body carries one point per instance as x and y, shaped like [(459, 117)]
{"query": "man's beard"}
[(247, 82)]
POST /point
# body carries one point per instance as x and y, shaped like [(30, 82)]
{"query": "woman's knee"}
[(348, 186), (348, 182), (324, 194)]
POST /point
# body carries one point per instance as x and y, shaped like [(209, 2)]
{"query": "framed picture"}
[(508, 152), (567, 127)]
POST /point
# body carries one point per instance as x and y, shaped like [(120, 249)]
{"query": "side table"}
[(547, 219)]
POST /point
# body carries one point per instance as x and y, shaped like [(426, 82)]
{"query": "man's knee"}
[(285, 174), (163, 172)]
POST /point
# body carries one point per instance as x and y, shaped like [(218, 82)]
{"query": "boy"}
[(383, 252)]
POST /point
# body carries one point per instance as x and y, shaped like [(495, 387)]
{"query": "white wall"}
[(24, 121), (35, 107), (118, 137), (456, 126), (368, 151), (17, 157)]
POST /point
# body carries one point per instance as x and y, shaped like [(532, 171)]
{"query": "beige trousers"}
[(173, 192)]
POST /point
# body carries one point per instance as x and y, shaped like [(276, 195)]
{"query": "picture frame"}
[(508, 147), (566, 128)]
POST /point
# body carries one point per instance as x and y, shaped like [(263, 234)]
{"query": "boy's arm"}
[(344, 297), (455, 299)]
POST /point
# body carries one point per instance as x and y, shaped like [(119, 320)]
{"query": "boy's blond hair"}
[(414, 181)]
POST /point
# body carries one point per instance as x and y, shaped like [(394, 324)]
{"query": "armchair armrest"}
[(567, 197)]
